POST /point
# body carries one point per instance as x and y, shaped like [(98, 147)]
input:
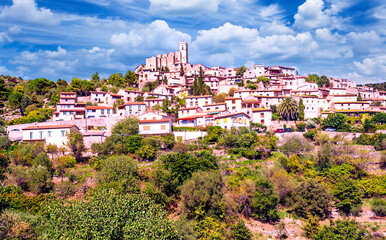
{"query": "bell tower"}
[(184, 52)]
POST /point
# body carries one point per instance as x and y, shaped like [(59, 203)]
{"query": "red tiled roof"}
[(98, 107), (49, 127), (155, 121), (71, 110)]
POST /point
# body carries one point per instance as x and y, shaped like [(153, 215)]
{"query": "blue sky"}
[(75, 38)]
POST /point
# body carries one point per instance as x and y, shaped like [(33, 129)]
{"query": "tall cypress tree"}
[(200, 83), (182, 72), (195, 86), (301, 109)]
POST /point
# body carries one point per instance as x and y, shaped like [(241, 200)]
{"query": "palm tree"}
[(288, 109)]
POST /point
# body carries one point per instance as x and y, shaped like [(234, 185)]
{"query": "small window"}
[(261, 115), (41, 135), (163, 127), (146, 127), (31, 135), (225, 120), (63, 132), (49, 133), (102, 111)]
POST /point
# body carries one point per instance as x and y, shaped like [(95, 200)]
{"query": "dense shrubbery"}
[(378, 206), (343, 229)]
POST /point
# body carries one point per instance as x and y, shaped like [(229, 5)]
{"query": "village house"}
[(50, 134), (155, 124), (198, 101), (233, 104), (262, 116), (229, 121), (132, 108)]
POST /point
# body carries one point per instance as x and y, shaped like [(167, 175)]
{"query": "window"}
[(108, 111), (217, 121), (49, 133), (225, 120), (31, 135), (261, 115), (102, 111), (163, 127), (63, 133), (262, 121), (89, 111), (146, 127), (41, 135), (245, 121)]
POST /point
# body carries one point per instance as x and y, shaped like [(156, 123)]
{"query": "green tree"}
[(182, 72), (39, 180), (139, 98), (240, 231), (95, 77), (108, 215), (312, 198), (288, 109), (231, 92), (313, 78), (334, 120), (200, 83), (301, 109), (75, 143), (15, 99), (147, 152), (25, 102), (325, 157), (311, 226), (241, 70), (264, 202), (195, 89), (202, 195), (4, 162), (220, 98), (133, 143), (131, 78), (359, 97), (347, 195), (344, 230), (323, 81)]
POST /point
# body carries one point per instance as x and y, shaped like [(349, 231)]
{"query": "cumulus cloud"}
[(366, 42), (311, 14), (276, 28), (145, 39), (5, 38), (372, 66), (183, 6), (324, 34), (28, 11)]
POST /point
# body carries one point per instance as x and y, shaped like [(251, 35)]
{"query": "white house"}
[(98, 96), (132, 108), (198, 101), (68, 114), (51, 134), (262, 115), (183, 112), (233, 104), (232, 120), (99, 111), (214, 107), (155, 126)]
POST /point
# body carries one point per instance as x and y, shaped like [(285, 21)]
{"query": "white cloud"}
[(366, 42), (184, 6), (28, 11), (276, 28), (324, 34), (5, 38), (145, 39), (312, 14), (372, 66), (60, 52), (269, 12)]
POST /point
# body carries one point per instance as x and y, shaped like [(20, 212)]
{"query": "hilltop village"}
[(169, 92)]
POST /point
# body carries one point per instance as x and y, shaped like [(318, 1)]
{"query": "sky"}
[(76, 38)]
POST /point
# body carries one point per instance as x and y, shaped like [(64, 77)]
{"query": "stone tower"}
[(184, 52)]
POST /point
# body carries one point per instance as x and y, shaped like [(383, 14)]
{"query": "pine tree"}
[(95, 77)]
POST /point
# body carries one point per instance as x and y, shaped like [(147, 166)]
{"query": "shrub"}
[(108, 215), (378, 206), (296, 144), (146, 152), (335, 120), (311, 226), (67, 161), (301, 127), (310, 134), (202, 195), (312, 198), (211, 228), (240, 231), (325, 157), (321, 138), (264, 202), (39, 180), (347, 195), (373, 186), (65, 189), (343, 229), (12, 226)]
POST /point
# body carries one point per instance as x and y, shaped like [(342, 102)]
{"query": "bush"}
[(211, 228), (295, 145), (202, 195), (312, 198), (240, 231), (108, 215), (373, 186), (343, 229), (13, 226), (264, 202), (378, 206), (146, 152), (311, 226), (310, 134), (335, 120), (347, 195), (321, 138), (325, 157), (67, 161), (301, 127), (39, 180)]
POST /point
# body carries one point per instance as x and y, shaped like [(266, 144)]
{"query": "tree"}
[(379, 117), (139, 98), (220, 98), (264, 202), (15, 99), (343, 229), (334, 120), (241, 70), (359, 98), (195, 89), (312, 198), (202, 195), (201, 84), (311, 226), (75, 143), (301, 109), (4, 162), (131, 78), (313, 78), (323, 81), (240, 231), (288, 109), (108, 215), (232, 92), (127, 126), (25, 102), (325, 157), (182, 73), (347, 195), (95, 77)]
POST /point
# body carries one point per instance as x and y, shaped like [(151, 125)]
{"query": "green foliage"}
[(310, 134), (15, 100), (133, 143), (251, 86), (325, 157), (13, 226), (288, 109), (127, 126), (240, 231), (378, 206), (211, 228), (139, 98), (264, 202), (4, 162), (373, 186), (150, 86), (301, 110), (42, 159), (378, 140), (82, 87), (39, 180), (202, 195), (146, 152), (40, 86), (241, 70), (38, 115), (312, 198), (219, 98), (347, 195), (343, 229), (379, 117), (301, 126), (311, 226), (109, 216), (75, 143), (121, 171), (334, 120), (213, 134), (296, 144)]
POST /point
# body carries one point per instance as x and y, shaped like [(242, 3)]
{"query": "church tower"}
[(184, 52)]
